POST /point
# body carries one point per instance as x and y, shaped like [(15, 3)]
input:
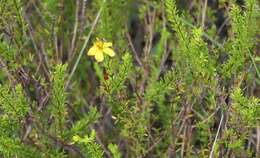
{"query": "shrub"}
[(184, 80)]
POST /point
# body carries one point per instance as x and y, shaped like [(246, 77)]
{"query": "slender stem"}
[(75, 31), (253, 61), (84, 46), (216, 137), (133, 49), (204, 11)]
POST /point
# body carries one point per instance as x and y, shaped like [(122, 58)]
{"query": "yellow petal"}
[(108, 44), (109, 52), (99, 56), (92, 51)]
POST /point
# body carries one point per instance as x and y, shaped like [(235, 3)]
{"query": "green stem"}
[(84, 45)]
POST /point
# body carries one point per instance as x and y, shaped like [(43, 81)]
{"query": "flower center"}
[(99, 44)]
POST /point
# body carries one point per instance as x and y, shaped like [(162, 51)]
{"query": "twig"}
[(156, 142), (82, 16), (257, 141), (39, 51), (149, 23), (103, 146), (253, 61), (204, 11), (60, 38), (166, 52), (55, 42), (76, 24), (57, 140), (84, 45), (222, 25), (133, 49), (216, 137)]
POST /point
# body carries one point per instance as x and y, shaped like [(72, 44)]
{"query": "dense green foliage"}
[(184, 81)]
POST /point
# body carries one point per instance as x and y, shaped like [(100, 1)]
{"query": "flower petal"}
[(92, 51), (107, 44), (99, 56), (109, 52)]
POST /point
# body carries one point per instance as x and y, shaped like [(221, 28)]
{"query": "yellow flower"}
[(99, 48)]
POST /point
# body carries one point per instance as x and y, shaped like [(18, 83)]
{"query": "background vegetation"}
[(184, 81)]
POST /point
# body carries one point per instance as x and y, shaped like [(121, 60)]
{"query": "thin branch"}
[(134, 50), (222, 25), (103, 146), (60, 142), (76, 24), (253, 61), (60, 39), (258, 141), (166, 52), (156, 142), (216, 137), (204, 11), (84, 46), (82, 16), (39, 51)]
